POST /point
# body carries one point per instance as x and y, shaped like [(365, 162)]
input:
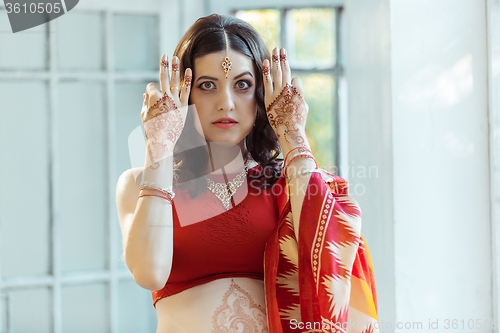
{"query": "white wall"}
[(441, 162), (368, 65), (493, 7), (418, 108)]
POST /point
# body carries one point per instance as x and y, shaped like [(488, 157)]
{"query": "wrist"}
[(287, 146), (159, 172), (300, 163)]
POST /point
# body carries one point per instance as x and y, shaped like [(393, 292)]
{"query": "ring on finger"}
[(174, 88)]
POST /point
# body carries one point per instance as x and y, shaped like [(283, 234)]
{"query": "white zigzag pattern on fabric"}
[(288, 246), (339, 291), (352, 221), (289, 279), (343, 253)]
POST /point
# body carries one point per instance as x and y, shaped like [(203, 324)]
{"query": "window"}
[(70, 94), (311, 37)]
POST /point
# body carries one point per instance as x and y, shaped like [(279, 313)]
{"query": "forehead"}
[(211, 64)]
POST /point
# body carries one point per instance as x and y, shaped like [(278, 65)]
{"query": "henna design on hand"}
[(266, 71), (162, 129), (187, 82), (276, 59), (164, 63), (283, 60), (175, 67), (288, 110), (239, 313)]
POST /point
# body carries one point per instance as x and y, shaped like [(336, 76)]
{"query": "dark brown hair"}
[(203, 37)]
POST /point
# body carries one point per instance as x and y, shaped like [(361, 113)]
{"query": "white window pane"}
[(80, 41), (83, 183), (136, 311), (31, 310), (320, 127), (4, 304), (311, 37), (23, 50), (128, 97), (128, 104), (24, 178), (85, 308), (136, 42), (267, 24)]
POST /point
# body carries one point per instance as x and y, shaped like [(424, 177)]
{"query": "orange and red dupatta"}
[(324, 282)]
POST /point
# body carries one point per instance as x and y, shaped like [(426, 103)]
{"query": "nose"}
[(225, 100)]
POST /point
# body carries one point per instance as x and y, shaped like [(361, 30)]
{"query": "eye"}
[(207, 85), (243, 84)]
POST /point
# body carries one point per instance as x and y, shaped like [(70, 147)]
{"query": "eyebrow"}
[(215, 79)]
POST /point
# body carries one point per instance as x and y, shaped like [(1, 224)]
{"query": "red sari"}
[(324, 282)]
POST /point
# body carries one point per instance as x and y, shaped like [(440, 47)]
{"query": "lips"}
[(225, 125), (225, 120)]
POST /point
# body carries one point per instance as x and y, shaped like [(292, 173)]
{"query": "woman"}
[(211, 223)]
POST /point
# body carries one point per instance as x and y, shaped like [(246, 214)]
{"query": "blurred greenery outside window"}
[(311, 38)]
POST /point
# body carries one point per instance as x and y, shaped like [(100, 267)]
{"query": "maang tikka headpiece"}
[(226, 64)]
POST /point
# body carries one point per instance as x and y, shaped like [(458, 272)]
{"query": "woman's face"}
[(226, 107)]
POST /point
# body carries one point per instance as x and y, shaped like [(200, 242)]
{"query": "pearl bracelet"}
[(303, 172)]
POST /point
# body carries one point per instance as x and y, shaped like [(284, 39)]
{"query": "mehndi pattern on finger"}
[(266, 72), (175, 67), (276, 59), (283, 60), (287, 113), (187, 81), (164, 63)]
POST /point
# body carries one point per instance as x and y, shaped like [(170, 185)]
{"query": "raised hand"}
[(285, 106), (164, 111)]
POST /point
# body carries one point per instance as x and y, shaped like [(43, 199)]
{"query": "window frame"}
[(337, 71)]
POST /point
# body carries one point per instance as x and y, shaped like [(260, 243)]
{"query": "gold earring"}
[(226, 64)]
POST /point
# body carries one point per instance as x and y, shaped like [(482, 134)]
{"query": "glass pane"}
[(311, 37), (267, 24), (24, 143), (31, 310), (128, 97), (319, 95), (80, 41), (136, 311), (136, 42), (82, 171), (85, 308), (26, 50), (4, 305)]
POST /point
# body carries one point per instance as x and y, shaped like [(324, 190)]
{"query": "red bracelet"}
[(284, 161), (301, 155), (159, 196), (152, 189)]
